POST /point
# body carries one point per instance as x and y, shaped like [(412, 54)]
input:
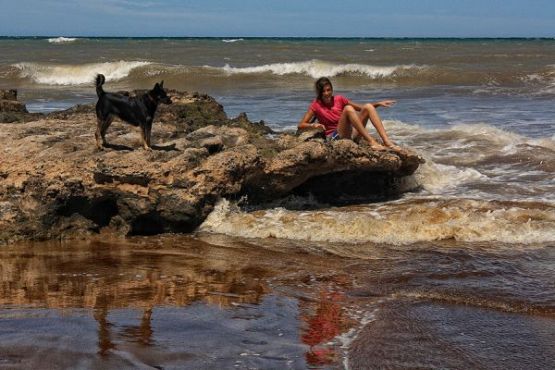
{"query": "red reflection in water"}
[(323, 326)]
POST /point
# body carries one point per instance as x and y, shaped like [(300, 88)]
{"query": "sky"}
[(279, 18)]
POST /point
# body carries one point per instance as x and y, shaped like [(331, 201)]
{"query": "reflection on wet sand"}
[(326, 323), (104, 341), (140, 334), (163, 302), (103, 277)]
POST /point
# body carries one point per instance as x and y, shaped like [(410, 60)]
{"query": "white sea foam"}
[(438, 178), (61, 40), (497, 139), (76, 74), (469, 143), (346, 339), (547, 143), (545, 80), (550, 88), (535, 77), (232, 40), (398, 224), (317, 68), (463, 157)]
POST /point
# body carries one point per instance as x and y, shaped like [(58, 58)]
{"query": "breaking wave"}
[(397, 223), (61, 40), (317, 68), (480, 158), (68, 74), (540, 83), (232, 40)]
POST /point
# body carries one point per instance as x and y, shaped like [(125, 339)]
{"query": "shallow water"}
[(150, 303), (216, 302)]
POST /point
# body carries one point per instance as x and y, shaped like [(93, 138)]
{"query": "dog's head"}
[(159, 94)]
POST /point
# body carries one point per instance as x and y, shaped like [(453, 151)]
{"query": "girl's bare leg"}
[(350, 119), (369, 112)]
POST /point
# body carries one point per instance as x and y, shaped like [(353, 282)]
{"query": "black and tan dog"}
[(137, 111)]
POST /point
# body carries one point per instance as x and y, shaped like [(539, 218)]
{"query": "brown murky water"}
[(214, 302)]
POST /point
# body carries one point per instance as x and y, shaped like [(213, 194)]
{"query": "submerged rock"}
[(54, 183)]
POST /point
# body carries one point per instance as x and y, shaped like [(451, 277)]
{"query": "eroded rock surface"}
[(54, 183)]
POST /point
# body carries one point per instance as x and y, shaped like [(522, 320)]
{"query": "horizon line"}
[(284, 37)]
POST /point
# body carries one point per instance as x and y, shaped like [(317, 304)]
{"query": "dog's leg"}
[(143, 136), (98, 133), (148, 132), (145, 133), (105, 124)]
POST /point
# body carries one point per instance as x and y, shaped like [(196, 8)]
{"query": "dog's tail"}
[(100, 79)]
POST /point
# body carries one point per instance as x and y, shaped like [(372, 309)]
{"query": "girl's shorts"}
[(333, 136)]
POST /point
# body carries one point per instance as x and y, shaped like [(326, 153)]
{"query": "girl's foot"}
[(377, 147), (373, 144), (394, 147)]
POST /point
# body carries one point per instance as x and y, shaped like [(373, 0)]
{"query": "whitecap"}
[(61, 40), (317, 68), (76, 74), (439, 178)]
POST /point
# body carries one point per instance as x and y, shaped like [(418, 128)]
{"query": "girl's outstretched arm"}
[(381, 103), (384, 103)]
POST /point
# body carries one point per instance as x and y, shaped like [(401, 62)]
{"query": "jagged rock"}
[(54, 183)]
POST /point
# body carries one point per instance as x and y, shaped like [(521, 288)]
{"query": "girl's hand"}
[(386, 103), (318, 126)]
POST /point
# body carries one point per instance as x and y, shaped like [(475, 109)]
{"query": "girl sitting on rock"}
[(337, 116)]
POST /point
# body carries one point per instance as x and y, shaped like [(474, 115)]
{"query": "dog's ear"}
[(162, 84)]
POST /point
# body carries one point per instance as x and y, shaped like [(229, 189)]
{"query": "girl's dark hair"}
[(319, 86)]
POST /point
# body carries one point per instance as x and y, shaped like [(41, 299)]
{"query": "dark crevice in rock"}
[(147, 224), (100, 211), (351, 187), (333, 189), (154, 223)]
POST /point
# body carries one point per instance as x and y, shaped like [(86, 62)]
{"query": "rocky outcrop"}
[(336, 171), (12, 110), (54, 183)]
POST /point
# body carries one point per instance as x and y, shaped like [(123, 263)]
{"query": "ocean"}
[(459, 274)]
